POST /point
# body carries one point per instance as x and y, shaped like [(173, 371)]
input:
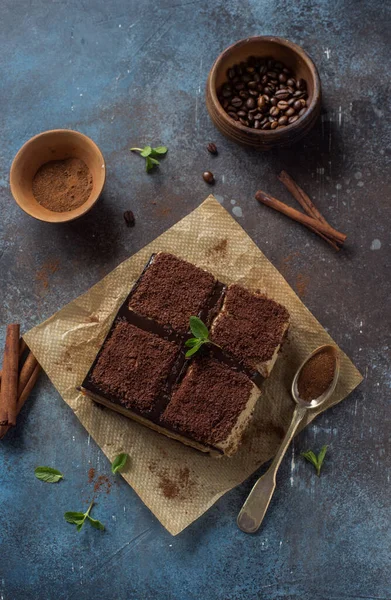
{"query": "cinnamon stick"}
[(23, 396), (9, 384), (305, 201), (26, 372), (22, 348), (294, 214)]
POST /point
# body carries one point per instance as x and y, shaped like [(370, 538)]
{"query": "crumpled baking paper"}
[(178, 483)]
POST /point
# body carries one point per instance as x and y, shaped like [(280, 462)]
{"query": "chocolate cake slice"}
[(212, 405), (251, 327), (133, 367), (171, 290)]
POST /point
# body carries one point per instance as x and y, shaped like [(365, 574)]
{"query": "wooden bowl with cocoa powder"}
[(58, 175), (292, 57)]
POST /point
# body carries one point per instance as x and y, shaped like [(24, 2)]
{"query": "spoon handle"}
[(258, 500)]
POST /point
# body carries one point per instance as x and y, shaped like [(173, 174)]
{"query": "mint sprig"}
[(151, 155), (316, 461), (201, 336), (78, 519)]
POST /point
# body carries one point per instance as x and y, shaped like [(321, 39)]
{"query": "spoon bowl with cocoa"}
[(313, 384)]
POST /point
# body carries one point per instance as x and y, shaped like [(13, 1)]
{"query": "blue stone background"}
[(127, 73)]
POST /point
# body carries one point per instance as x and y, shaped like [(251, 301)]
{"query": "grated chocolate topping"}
[(134, 366), (209, 401), (250, 327), (171, 290)]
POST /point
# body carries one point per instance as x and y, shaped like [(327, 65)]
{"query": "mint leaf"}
[(78, 519), (194, 349), (316, 461), (95, 523), (150, 163), (119, 462), (191, 342), (48, 474), (146, 151), (198, 328), (160, 150)]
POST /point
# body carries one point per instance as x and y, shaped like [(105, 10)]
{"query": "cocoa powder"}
[(316, 376), (62, 185)]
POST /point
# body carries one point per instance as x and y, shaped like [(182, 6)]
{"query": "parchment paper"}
[(178, 483)]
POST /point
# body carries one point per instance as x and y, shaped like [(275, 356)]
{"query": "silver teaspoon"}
[(258, 500)]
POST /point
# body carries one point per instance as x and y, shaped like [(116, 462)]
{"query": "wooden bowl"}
[(296, 59), (56, 144)]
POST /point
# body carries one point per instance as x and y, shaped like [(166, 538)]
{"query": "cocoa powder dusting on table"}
[(316, 376), (177, 485), (102, 483), (62, 185), (91, 475)]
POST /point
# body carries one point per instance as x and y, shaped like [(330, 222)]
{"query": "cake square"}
[(171, 290), (251, 327), (212, 405), (133, 367)]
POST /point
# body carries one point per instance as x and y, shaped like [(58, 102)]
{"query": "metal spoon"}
[(256, 505)]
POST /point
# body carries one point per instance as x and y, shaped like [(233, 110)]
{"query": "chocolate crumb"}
[(91, 475)]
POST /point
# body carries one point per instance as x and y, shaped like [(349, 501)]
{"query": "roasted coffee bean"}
[(129, 218), (290, 112), (236, 101), (224, 102), (268, 91), (302, 111), (282, 94), (257, 124), (239, 86), (266, 126), (231, 108), (244, 94), (291, 82), (250, 69), (264, 120), (286, 71), (242, 113), (274, 125), (246, 78), (298, 94), (301, 84), (231, 73), (226, 93), (283, 105), (290, 89), (233, 116), (208, 177), (274, 111), (251, 103), (258, 116), (297, 105), (243, 121), (262, 69), (253, 93), (271, 119), (256, 78), (274, 101), (212, 148), (272, 74), (262, 102), (250, 118), (264, 79), (282, 78), (283, 120), (293, 119), (291, 101), (252, 85)]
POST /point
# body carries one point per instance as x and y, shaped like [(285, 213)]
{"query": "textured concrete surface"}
[(127, 73)]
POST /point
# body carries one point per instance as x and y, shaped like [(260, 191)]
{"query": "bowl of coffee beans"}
[(264, 92)]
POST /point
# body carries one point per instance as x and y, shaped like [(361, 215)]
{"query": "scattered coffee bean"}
[(263, 94), (208, 177), (212, 148), (129, 218)]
